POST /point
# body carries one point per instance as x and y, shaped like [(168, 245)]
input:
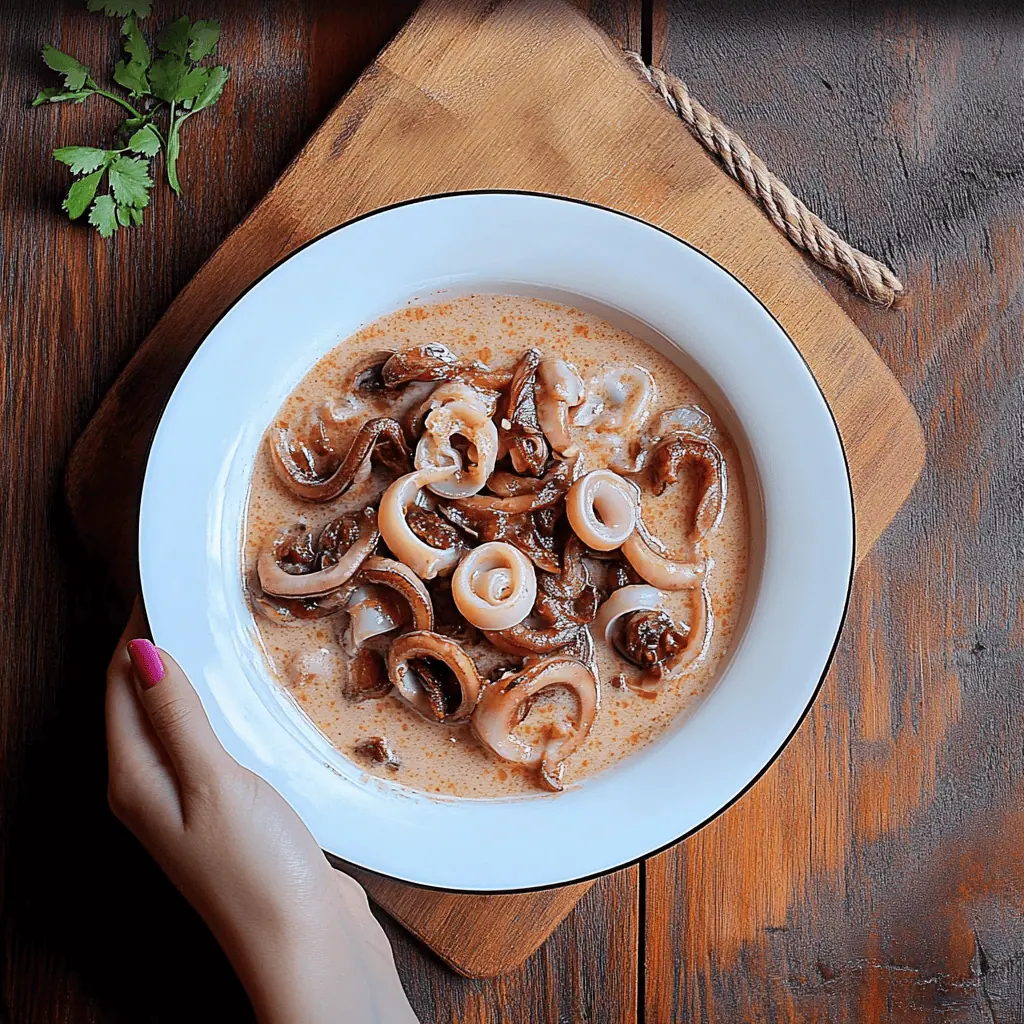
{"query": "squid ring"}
[(495, 586), (435, 675), (275, 581), (465, 414), (602, 509), (506, 702), (664, 572), (424, 560), (625, 601)]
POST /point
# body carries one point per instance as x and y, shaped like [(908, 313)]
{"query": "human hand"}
[(299, 934)]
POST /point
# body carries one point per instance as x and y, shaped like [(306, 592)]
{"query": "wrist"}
[(302, 967)]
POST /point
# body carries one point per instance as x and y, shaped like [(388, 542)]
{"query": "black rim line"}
[(842, 448)]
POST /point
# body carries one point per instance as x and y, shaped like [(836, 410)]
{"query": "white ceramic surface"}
[(634, 274)]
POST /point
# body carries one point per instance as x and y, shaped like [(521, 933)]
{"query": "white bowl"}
[(662, 289)]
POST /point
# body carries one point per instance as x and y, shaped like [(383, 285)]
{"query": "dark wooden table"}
[(876, 872)]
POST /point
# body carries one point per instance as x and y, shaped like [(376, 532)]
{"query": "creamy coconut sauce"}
[(308, 658)]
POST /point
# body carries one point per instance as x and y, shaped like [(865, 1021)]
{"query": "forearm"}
[(340, 964)]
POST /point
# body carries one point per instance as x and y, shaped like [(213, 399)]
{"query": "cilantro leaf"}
[(120, 8), (165, 77), (130, 181), (58, 95), (176, 78), (191, 85), (174, 38), (74, 73), (132, 76), (80, 194), (46, 95), (103, 216), (145, 141), (135, 43), (82, 159), (203, 38), (215, 83), (53, 94)]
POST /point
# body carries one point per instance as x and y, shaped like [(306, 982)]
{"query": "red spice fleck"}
[(581, 329), (646, 694)]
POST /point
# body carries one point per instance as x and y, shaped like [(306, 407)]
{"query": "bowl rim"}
[(418, 200)]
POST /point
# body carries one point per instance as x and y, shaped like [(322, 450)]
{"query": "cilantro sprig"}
[(163, 93)]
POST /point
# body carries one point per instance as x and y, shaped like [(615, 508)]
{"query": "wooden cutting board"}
[(520, 95)]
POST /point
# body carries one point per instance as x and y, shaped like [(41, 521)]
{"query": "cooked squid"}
[(435, 675), (342, 547), (602, 509), (684, 419), (520, 433), (462, 413), (624, 603), (372, 611), (559, 389), (405, 585), (660, 570), (435, 362), (316, 472), (495, 586), (424, 560), (663, 648), (619, 403), (506, 703), (502, 554), (666, 462)]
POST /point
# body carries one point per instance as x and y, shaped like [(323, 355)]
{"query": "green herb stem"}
[(111, 96)]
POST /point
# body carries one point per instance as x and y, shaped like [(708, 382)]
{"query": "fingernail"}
[(146, 660)]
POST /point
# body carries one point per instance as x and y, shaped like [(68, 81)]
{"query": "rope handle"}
[(869, 277)]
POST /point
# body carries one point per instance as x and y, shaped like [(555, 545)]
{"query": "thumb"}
[(176, 714)]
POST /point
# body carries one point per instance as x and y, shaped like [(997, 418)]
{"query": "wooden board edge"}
[(389, 895), (467, 967)]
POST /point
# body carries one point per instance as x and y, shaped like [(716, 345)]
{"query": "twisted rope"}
[(869, 277)]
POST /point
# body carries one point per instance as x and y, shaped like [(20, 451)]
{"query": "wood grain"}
[(89, 929), (469, 79), (871, 875), (897, 123), (474, 79), (504, 929)]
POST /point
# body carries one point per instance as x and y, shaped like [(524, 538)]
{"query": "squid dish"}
[(490, 543)]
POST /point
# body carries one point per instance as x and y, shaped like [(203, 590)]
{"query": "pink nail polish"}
[(146, 660)]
